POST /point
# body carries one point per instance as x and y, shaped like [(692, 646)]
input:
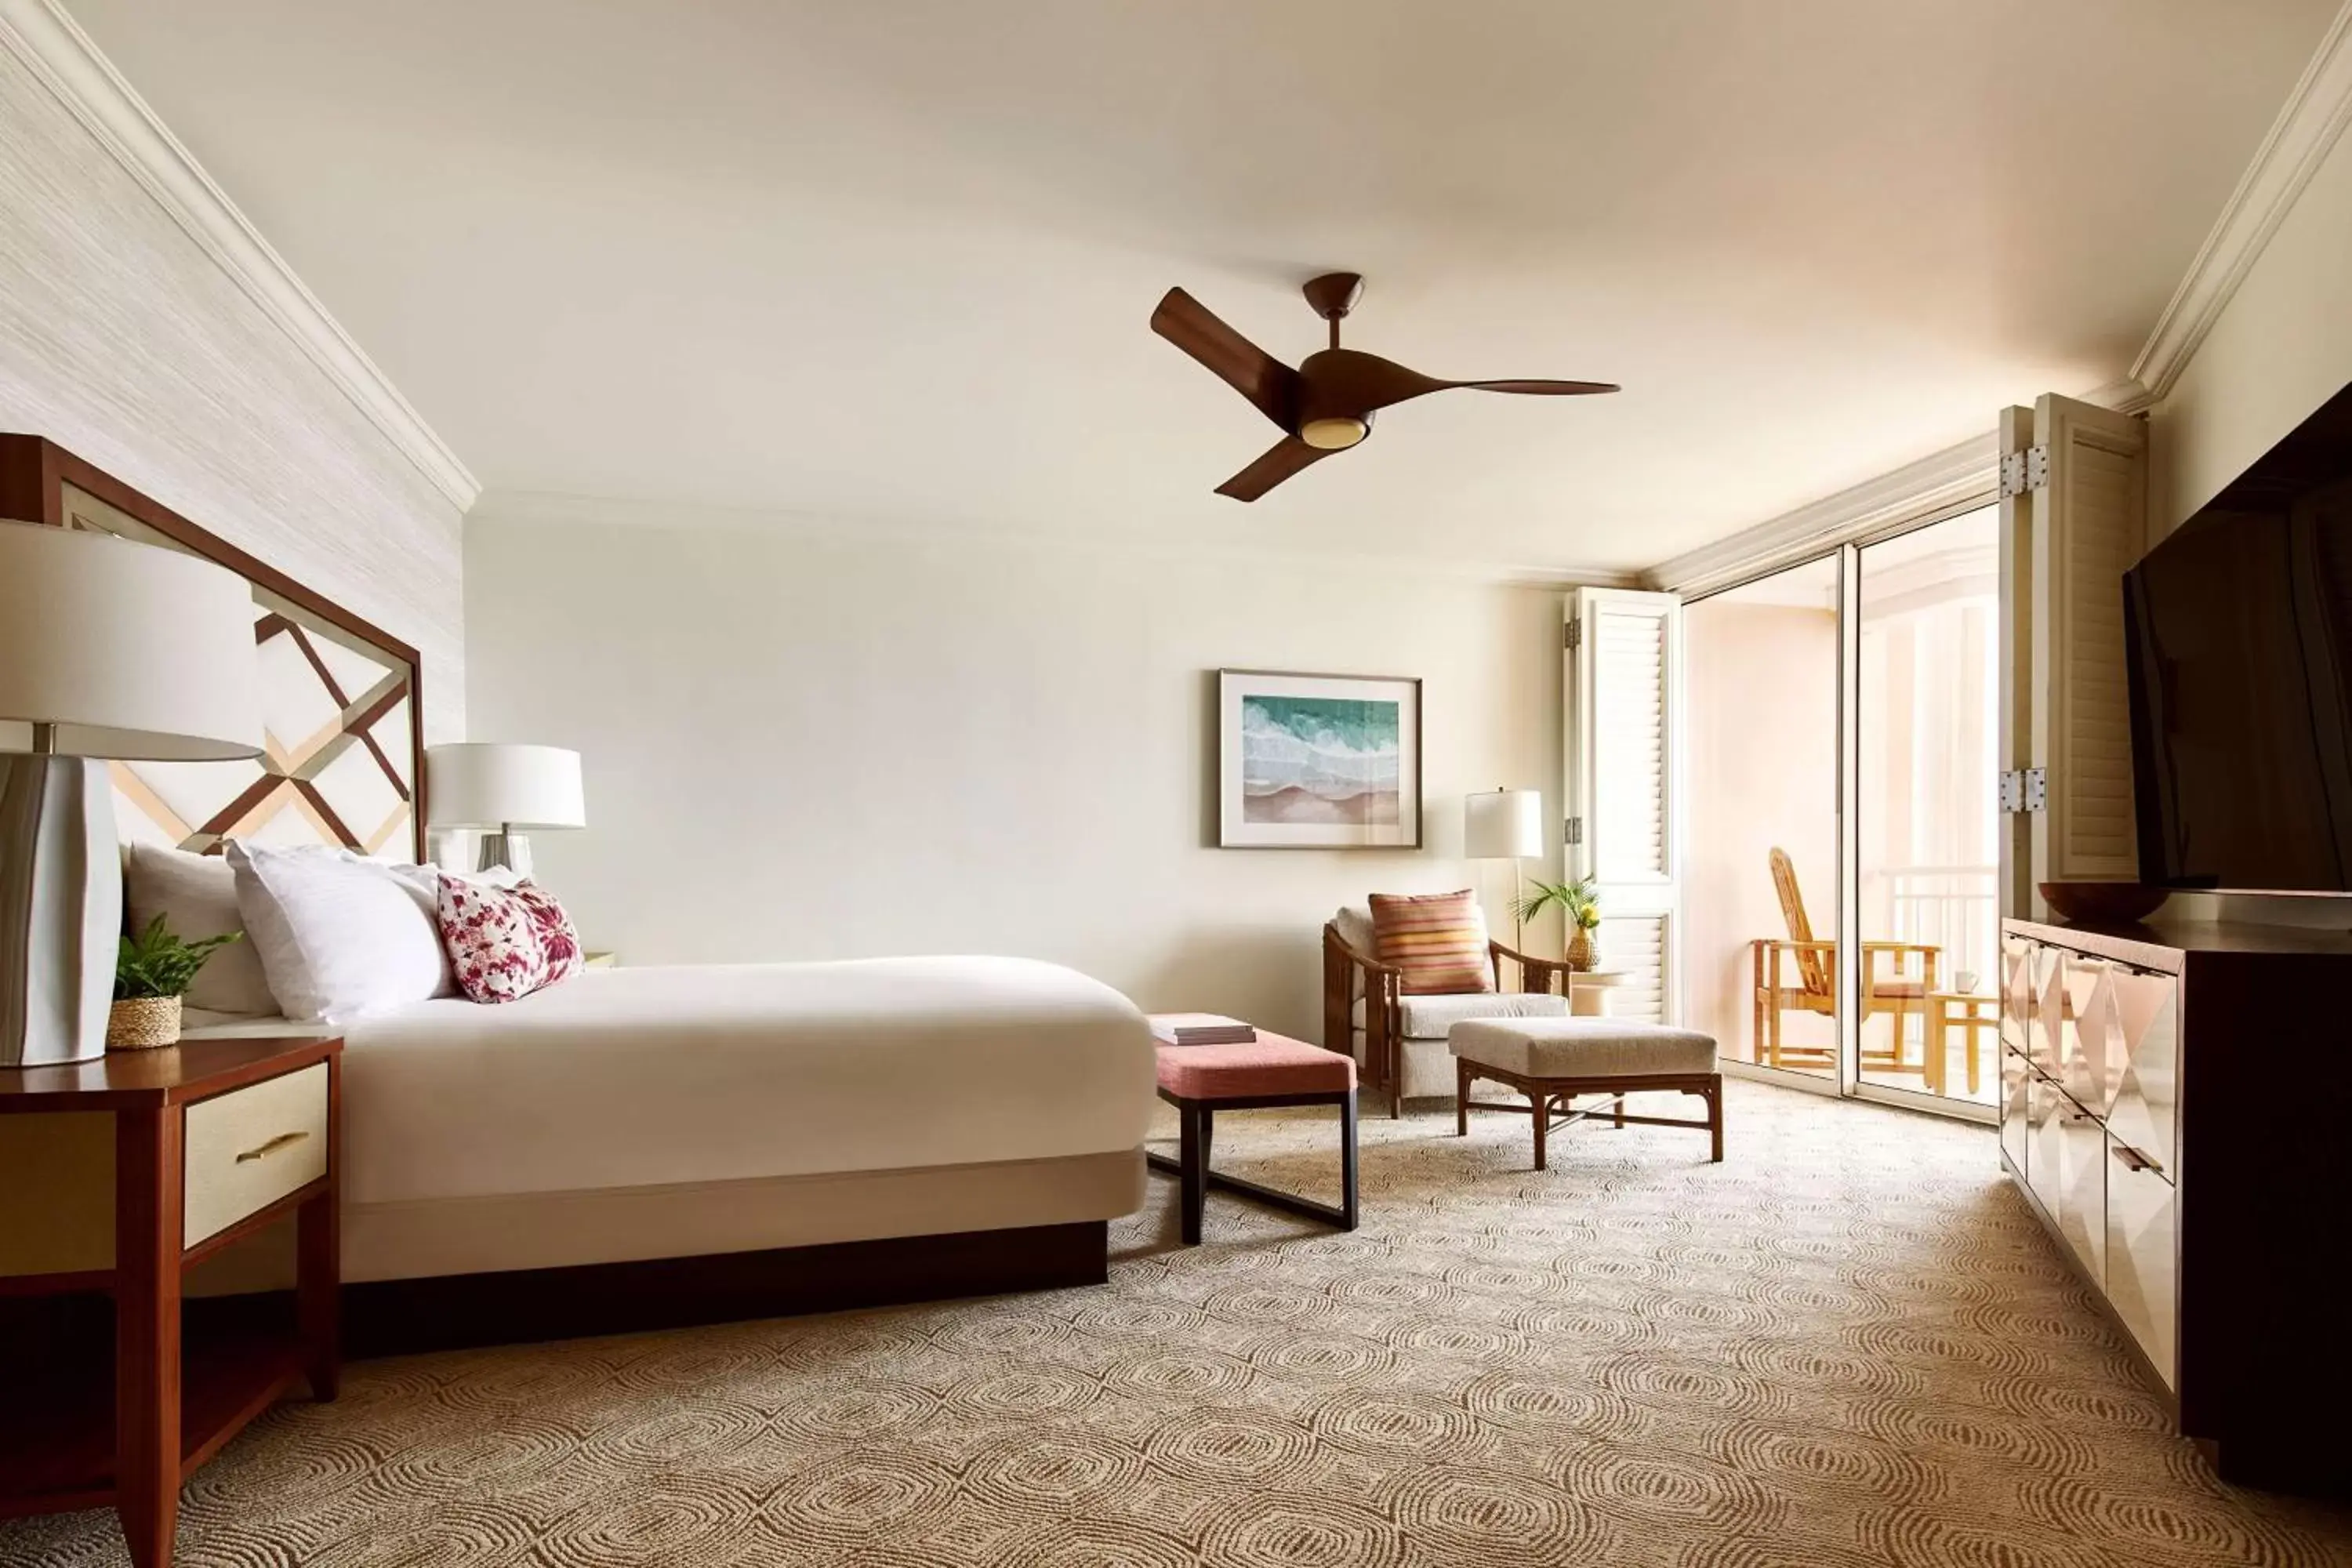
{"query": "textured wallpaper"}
[(123, 342)]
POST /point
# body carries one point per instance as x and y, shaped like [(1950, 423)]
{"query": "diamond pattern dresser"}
[(2131, 1057)]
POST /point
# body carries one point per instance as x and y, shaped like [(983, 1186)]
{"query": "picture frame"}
[(1317, 762)]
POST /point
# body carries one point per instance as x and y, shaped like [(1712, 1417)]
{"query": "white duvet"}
[(630, 1078)]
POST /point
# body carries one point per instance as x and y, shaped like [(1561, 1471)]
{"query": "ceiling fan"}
[(1327, 405)]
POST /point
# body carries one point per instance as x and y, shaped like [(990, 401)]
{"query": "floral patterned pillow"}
[(505, 943), (558, 938)]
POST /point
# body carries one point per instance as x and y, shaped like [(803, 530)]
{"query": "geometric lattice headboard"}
[(341, 749)]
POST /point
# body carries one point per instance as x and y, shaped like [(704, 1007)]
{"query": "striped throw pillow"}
[(1439, 940)]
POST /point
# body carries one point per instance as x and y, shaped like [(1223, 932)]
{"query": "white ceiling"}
[(894, 261)]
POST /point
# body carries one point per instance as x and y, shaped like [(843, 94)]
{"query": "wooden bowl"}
[(2103, 903)]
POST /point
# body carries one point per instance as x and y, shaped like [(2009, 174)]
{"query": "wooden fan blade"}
[(1542, 389), (1281, 460), (1269, 384), (1349, 381)]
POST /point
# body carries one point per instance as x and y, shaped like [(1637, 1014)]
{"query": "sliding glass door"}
[(1842, 868), (1925, 728), (1761, 868)]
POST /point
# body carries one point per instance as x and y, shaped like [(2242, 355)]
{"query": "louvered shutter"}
[(1622, 675), (2076, 500)]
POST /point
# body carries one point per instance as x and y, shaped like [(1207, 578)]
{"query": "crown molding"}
[(543, 509), (1940, 482), (1955, 479), (2300, 138), (56, 49)]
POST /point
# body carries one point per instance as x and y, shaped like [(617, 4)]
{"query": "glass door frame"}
[(1848, 1082)]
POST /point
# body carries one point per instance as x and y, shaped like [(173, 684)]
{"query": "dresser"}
[(2175, 1104), (117, 1176)]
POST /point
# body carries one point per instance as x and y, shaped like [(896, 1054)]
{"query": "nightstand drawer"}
[(252, 1146)]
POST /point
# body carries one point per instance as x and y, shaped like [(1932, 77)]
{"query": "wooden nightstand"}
[(116, 1177)]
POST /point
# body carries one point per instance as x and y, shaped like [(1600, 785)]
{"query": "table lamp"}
[(1505, 824), (503, 789), (108, 648)]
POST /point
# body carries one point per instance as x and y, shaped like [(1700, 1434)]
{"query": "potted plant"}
[(152, 972), (1579, 903)]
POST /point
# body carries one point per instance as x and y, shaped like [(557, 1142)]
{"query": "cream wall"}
[(2282, 347), (816, 745), (123, 341), (1761, 701)]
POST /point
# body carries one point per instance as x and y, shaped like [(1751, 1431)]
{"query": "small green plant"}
[(1579, 903), (157, 964)]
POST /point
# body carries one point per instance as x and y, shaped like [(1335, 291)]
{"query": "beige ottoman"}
[(1553, 1060)]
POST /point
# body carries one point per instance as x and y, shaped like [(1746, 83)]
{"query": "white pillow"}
[(196, 896), (340, 935)]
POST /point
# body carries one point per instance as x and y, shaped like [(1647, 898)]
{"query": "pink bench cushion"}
[(1272, 1064)]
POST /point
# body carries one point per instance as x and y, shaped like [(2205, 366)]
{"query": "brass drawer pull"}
[(283, 1141)]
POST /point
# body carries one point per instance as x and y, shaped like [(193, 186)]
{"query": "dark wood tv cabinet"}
[(2176, 1103)]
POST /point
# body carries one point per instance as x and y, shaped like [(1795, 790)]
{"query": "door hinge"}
[(2025, 789), (1571, 831), (2026, 470), (1572, 635)]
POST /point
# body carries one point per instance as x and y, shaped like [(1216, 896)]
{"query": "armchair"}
[(1811, 964), (1399, 1039)]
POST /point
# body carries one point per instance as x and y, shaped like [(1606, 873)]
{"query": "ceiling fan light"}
[(1333, 434)]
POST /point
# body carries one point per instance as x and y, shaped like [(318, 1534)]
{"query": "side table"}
[(116, 1177), (1588, 991)]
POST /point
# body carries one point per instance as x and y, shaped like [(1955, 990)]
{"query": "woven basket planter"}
[(1583, 949), (144, 1024)]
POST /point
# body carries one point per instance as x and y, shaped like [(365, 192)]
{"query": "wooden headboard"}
[(343, 757)]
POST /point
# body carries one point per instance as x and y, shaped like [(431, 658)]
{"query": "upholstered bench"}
[(1553, 1060), (1272, 1070)]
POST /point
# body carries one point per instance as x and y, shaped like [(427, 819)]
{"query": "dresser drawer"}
[(252, 1146)]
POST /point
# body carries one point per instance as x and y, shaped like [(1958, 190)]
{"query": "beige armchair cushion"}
[(1431, 1017)]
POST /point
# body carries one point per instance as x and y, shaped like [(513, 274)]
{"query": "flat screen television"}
[(2238, 631)]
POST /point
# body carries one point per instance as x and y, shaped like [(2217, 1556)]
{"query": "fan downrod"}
[(1332, 296)]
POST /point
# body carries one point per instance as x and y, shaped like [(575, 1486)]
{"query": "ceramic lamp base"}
[(60, 909)]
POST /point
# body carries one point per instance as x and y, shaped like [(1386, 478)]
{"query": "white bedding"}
[(635, 1078)]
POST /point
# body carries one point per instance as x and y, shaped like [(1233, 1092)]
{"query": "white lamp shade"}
[(1503, 825), (485, 783), (129, 650)]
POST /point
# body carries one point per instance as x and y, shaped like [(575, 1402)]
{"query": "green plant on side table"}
[(1579, 903), (152, 972)]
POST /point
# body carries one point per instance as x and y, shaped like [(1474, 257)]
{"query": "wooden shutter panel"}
[(2089, 526), (1622, 676)]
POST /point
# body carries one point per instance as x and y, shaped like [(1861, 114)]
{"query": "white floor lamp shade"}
[(107, 649), (506, 789), (1503, 825)]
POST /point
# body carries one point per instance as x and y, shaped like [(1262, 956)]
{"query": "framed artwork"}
[(1317, 762)]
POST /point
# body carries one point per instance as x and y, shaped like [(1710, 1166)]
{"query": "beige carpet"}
[(1850, 1345)]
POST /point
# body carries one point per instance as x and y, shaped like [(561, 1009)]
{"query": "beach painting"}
[(1317, 760)]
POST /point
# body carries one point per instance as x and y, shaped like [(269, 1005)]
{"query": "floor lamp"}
[(1505, 824), (108, 650)]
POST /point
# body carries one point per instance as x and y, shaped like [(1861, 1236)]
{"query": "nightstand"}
[(117, 1176), (602, 960)]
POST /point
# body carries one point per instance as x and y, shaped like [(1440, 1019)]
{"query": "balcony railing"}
[(1954, 907)]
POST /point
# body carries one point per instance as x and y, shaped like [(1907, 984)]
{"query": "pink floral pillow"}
[(558, 938), (505, 943)]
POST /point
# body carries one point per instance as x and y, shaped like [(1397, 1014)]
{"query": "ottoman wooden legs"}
[(1195, 1131), (1551, 1101)]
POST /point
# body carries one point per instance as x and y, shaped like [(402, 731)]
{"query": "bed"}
[(633, 1147), (636, 1148), (637, 1113)]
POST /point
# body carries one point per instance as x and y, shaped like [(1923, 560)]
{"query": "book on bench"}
[(1201, 1029)]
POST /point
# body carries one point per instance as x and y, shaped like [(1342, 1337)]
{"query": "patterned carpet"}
[(1848, 1346)]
